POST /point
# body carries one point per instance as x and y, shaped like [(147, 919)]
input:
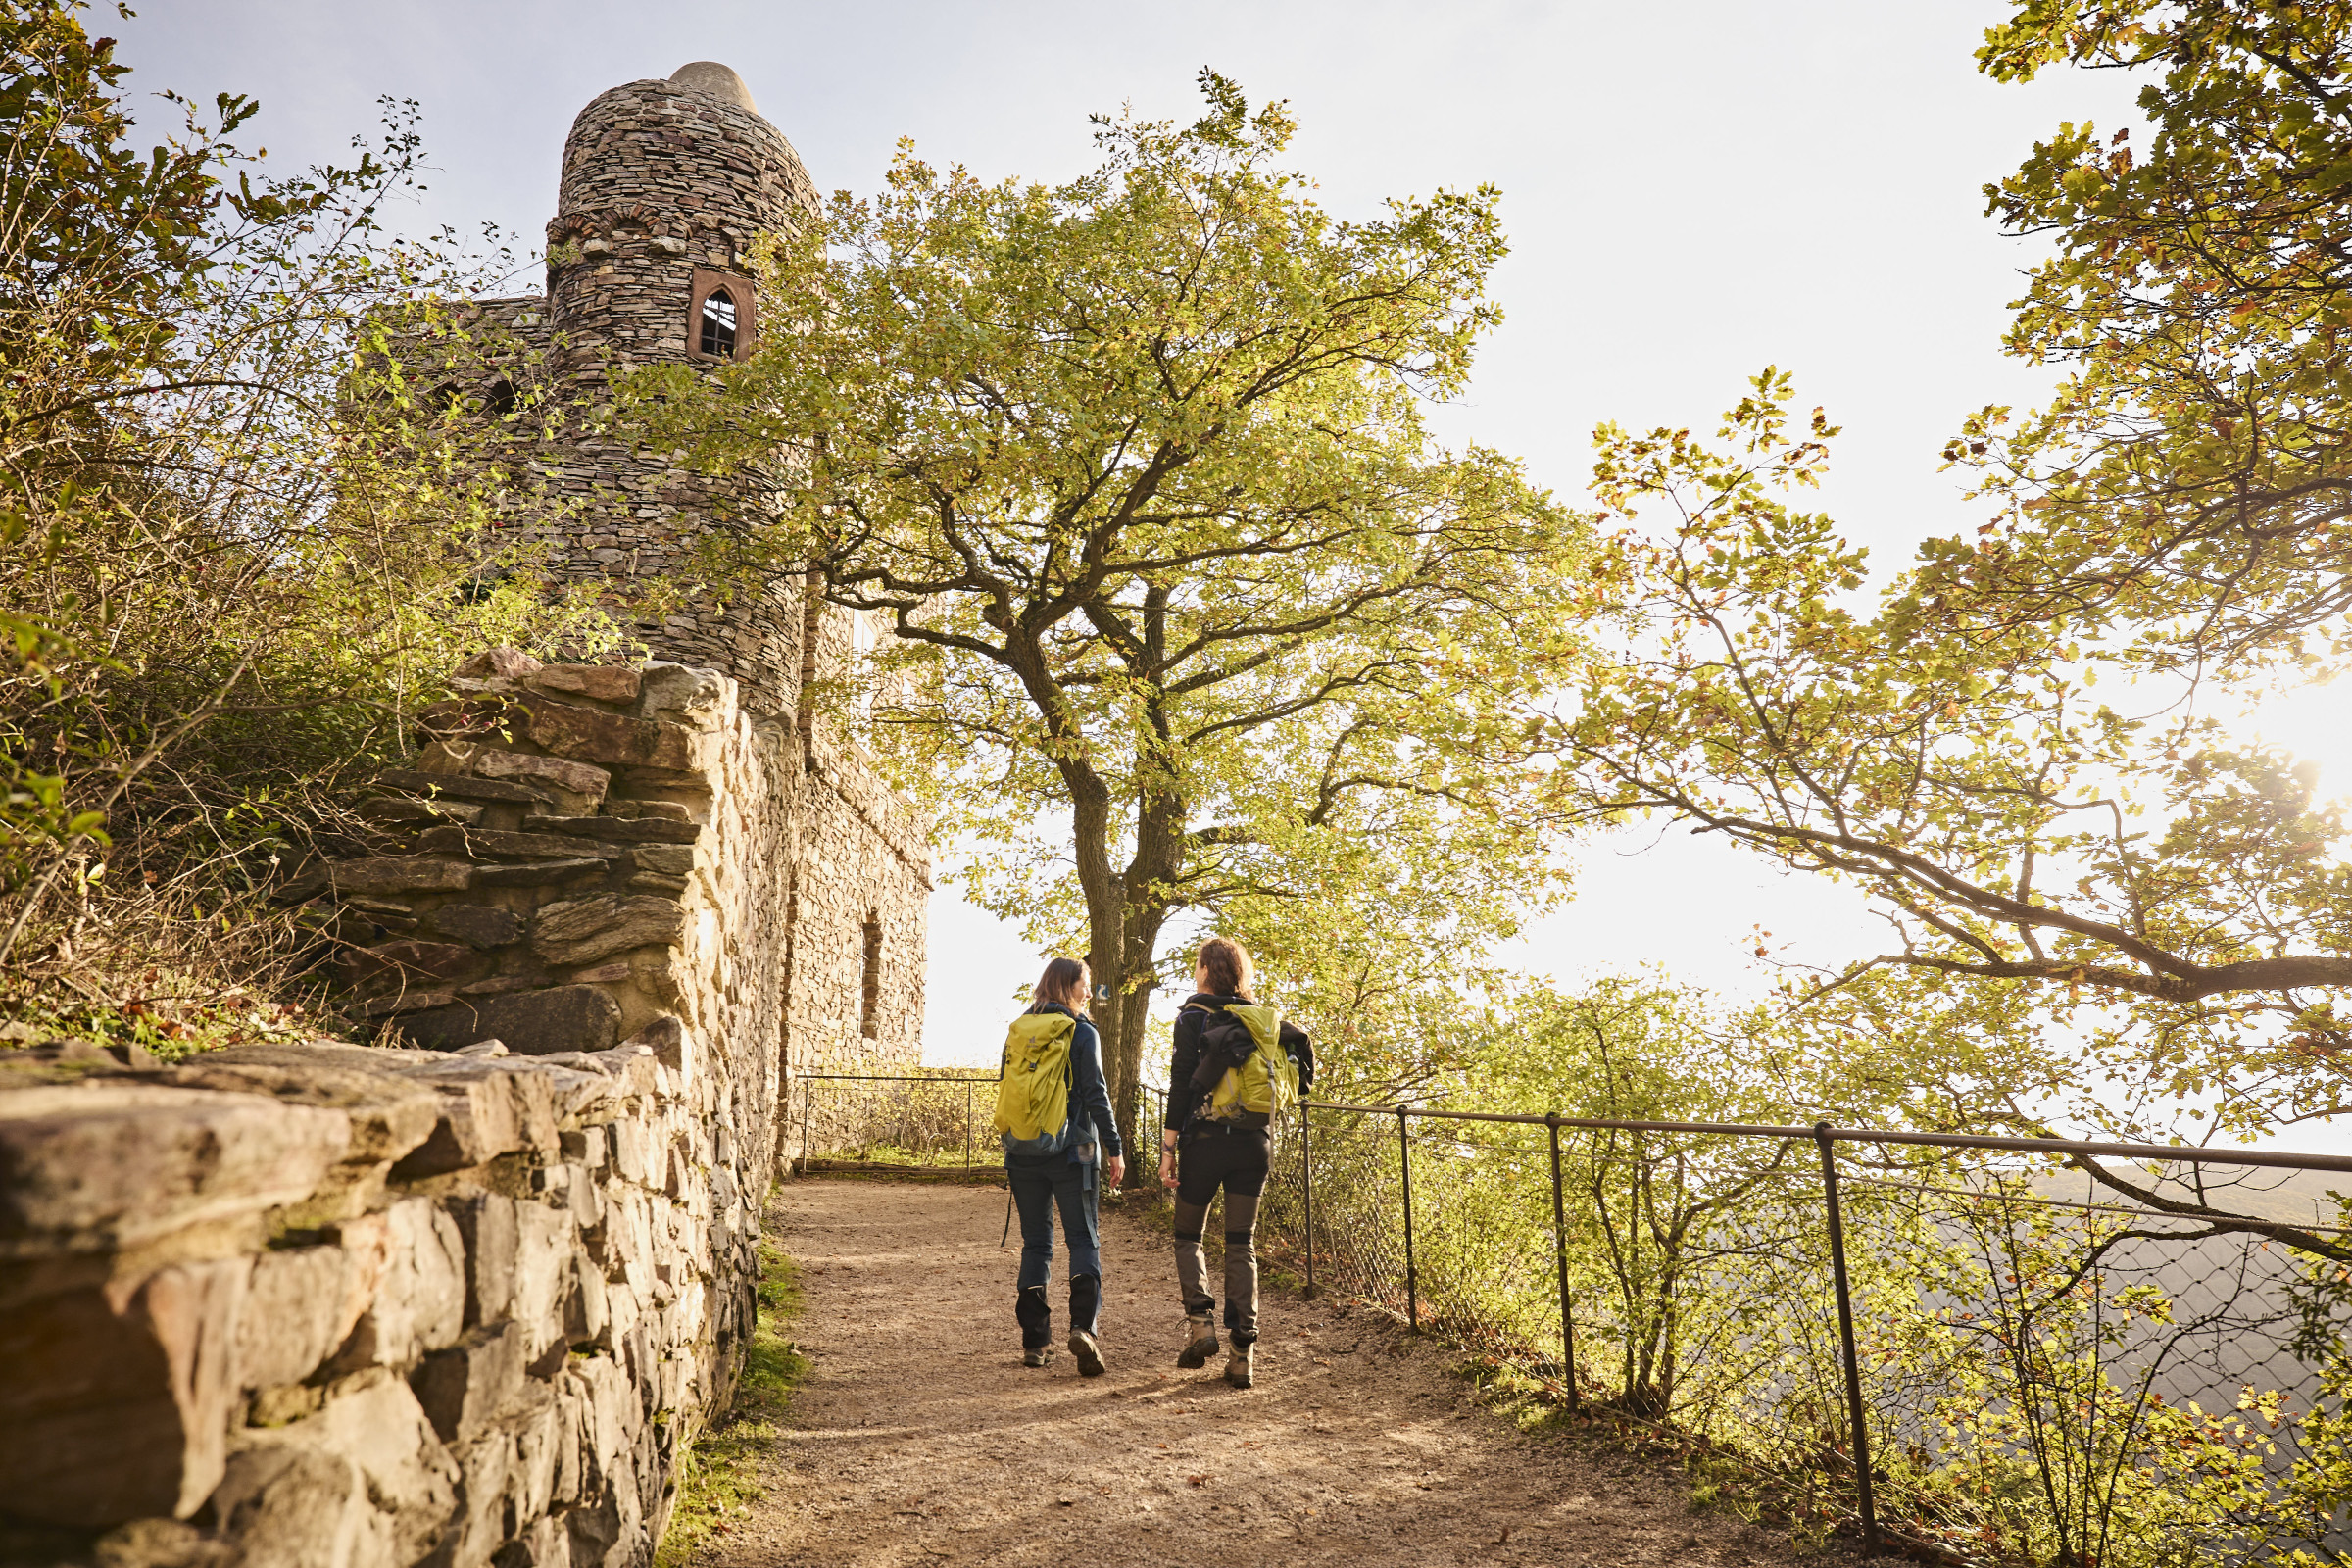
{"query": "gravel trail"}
[(921, 1439)]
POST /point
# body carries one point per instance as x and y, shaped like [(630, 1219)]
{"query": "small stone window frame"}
[(707, 281)]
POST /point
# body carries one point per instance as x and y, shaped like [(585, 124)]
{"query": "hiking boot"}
[(1039, 1357), (1239, 1368), (1088, 1353), (1202, 1344)]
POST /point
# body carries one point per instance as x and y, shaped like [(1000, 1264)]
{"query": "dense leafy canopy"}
[(239, 538), (1183, 590)]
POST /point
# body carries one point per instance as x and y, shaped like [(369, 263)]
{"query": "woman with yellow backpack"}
[(1053, 1118), (1237, 1067)]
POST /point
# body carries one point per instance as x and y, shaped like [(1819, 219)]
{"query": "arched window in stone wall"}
[(719, 318), (718, 324), (869, 1019)]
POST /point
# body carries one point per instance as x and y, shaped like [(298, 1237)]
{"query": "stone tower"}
[(665, 183)]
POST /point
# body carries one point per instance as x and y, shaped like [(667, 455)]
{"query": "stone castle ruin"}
[(465, 1296)]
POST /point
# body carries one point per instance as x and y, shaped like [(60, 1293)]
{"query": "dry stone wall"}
[(461, 1297)]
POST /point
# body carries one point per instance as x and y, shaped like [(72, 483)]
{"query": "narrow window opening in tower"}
[(718, 324), (869, 1022)]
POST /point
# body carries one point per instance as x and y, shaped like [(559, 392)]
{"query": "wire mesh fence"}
[(935, 1120), (1964, 1349)]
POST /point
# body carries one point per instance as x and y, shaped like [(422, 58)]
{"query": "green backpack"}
[(1265, 1084), (1033, 1095)]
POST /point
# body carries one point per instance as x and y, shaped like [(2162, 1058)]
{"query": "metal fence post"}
[(968, 1127), (1412, 1278), (808, 1110), (1559, 1236), (1307, 1179), (1845, 1336)]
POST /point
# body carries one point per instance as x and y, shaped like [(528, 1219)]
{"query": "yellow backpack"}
[(1033, 1096), (1266, 1083)]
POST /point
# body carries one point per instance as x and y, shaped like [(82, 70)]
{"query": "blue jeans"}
[(1036, 1191)]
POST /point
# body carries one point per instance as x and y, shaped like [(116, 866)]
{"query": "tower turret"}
[(664, 185)]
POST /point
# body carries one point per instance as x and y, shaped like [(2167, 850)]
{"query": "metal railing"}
[(1838, 1316), (1336, 1209)]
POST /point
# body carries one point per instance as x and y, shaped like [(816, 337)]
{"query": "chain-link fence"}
[(1963, 1348)]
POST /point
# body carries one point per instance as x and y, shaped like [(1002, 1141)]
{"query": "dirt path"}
[(921, 1439)]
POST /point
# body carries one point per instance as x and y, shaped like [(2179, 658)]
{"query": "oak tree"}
[(1192, 613)]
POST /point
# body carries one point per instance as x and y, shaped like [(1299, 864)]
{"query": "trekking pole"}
[(1855, 1409), (1003, 1241), (1307, 1179)]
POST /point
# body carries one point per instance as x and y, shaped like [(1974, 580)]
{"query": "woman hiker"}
[(1053, 1116), (1213, 1140)]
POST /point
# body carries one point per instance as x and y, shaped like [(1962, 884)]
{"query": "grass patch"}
[(719, 1475)]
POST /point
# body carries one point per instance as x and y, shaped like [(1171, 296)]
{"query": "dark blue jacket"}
[(1090, 1094)]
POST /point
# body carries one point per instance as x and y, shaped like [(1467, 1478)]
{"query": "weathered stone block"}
[(400, 873), (407, 964), (478, 925), (621, 829), (289, 1502), (99, 1164), (667, 860), (588, 929), (488, 1108), (406, 808), (389, 1114), (589, 734), (545, 873), (605, 683), (680, 688), (558, 773), (435, 785), (420, 1305), (585, 1313), (534, 846), (487, 1224), (468, 1386), (532, 1023), (293, 1315), (546, 1241), (366, 1483), (117, 1401), (507, 663)]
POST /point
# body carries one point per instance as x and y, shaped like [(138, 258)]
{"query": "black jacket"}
[(1183, 1097)]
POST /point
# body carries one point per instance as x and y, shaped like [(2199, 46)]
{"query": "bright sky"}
[(1694, 191)]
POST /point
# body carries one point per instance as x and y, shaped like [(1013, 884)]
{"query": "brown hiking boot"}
[(1201, 1342), (1240, 1367), (1088, 1353)]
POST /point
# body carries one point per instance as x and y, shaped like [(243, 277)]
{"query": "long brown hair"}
[(1227, 963), (1065, 982)]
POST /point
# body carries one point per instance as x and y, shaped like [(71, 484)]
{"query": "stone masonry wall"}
[(352, 1306)]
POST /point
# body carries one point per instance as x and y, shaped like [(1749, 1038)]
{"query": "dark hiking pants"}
[(1210, 1158)]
